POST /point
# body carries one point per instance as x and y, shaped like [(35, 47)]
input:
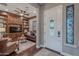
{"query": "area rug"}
[(24, 46), (46, 52)]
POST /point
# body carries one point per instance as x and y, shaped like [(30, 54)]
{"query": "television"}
[(13, 29)]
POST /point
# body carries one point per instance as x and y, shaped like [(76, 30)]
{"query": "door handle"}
[(59, 33)]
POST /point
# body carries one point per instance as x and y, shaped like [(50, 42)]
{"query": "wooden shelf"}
[(14, 19), (26, 25)]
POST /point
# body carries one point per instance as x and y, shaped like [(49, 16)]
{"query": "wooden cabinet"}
[(14, 20), (3, 23)]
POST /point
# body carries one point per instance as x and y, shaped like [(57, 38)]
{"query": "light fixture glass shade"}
[(21, 14)]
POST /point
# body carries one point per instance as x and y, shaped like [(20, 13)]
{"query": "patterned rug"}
[(46, 52), (24, 46)]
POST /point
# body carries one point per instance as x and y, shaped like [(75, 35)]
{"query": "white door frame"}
[(61, 32), (37, 33)]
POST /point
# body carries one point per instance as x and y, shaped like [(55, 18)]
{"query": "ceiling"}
[(32, 10), (10, 7)]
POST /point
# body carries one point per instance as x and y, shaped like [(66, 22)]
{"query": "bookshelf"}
[(25, 25)]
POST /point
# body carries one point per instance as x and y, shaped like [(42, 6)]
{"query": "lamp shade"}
[(2, 29)]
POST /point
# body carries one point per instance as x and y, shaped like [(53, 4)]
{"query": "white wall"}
[(30, 24), (74, 49), (41, 25), (36, 8)]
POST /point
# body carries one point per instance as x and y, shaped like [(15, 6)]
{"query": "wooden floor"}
[(33, 51), (29, 52)]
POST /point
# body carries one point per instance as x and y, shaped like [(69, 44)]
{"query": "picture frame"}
[(1, 22)]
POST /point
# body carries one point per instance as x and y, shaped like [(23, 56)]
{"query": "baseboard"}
[(42, 46), (65, 54), (37, 46), (53, 51)]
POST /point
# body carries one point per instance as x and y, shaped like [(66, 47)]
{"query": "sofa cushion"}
[(10, 44)]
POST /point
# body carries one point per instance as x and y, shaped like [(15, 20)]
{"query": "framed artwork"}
[(70, 24), (1, 23)]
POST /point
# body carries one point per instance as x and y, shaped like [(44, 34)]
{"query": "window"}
[(70, 24)]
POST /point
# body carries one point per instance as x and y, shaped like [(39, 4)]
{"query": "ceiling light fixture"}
[(4, 13), (4, 4), (21, 14)]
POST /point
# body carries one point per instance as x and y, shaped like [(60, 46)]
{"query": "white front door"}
[(51, 29)]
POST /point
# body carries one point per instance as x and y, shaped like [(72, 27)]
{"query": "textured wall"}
[(74, 50)]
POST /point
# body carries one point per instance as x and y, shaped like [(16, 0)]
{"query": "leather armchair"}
[(6, 47)]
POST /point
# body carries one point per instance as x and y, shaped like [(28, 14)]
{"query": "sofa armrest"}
[(11, 46)]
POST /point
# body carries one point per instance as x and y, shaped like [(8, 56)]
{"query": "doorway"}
[(53, 28)]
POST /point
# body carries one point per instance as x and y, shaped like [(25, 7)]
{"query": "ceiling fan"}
[(22, 12), (3, 4)]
